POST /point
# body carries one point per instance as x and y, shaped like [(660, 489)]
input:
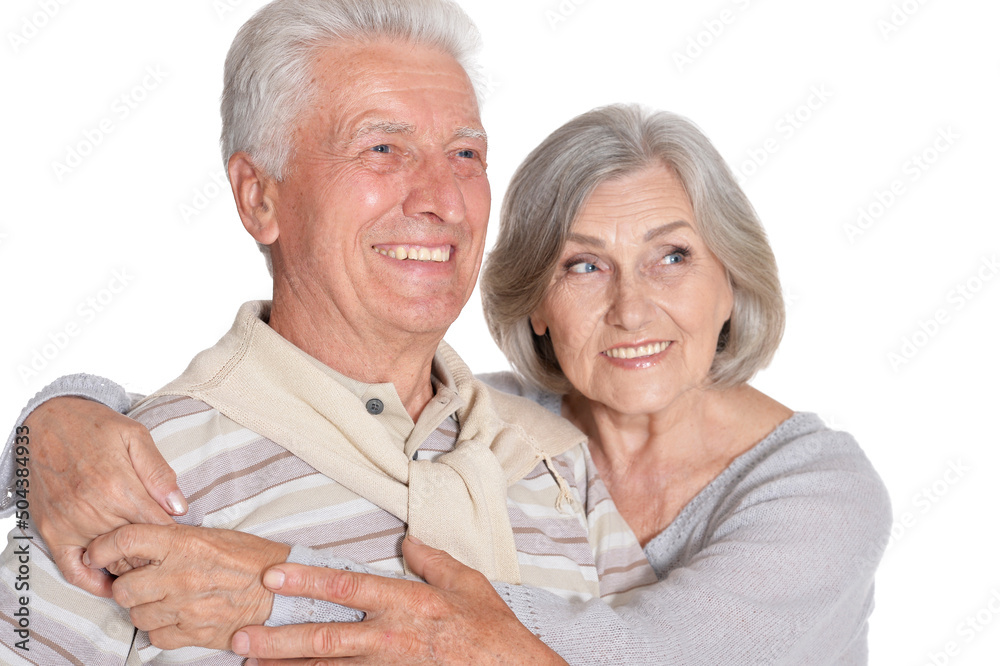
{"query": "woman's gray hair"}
[(553, 184), (269, 65)]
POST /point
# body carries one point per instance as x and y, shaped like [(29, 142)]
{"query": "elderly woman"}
[(634, 292)]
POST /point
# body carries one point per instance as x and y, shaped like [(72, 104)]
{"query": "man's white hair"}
[(269, 65)]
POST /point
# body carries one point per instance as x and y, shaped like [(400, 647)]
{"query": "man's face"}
[(384, 205)]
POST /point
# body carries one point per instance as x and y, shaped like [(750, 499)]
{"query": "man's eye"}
[(467, 154), (381, 148), (582, 267)]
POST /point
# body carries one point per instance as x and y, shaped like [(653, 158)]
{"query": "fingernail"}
[(241, 642), (415, 540), (177, 503), (86, 559), (274, 579)]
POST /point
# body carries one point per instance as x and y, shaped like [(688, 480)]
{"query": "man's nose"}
[(435, 192)]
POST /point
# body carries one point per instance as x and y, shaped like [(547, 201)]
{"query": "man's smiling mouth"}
[(439, 253)]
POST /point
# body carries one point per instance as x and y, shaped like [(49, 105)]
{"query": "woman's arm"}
[(95, 388), (91, 470), (784, 575), (754, 587), (408, 622)]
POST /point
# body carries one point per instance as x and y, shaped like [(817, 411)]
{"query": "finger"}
[(366, 592), (295, 641), (119, 568), (309, 662), (299, 662), (438, 567), (156, 476), (69, 559), (147, 542), (139, 587), (152, 616), (171, 637)]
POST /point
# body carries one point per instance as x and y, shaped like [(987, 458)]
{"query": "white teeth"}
[(637, 352), (417, 253)]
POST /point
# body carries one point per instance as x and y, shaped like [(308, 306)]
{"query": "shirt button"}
[(374, 406)]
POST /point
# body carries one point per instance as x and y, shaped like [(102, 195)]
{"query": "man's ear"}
[(253, 190)]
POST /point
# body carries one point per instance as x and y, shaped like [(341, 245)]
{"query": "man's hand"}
[(457, 618), (200, 585), (93, 470)]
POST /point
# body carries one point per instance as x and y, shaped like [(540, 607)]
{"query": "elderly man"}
[(334, 415)]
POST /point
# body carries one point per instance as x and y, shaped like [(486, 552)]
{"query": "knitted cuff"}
[(91, 387), (301, 610)]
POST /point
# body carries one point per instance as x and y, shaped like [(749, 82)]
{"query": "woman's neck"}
[(654, 464), (670, 436)]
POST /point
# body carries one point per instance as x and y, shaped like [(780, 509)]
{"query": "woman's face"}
[(637, 300)]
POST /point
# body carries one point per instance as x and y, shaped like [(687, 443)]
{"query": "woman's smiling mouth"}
[(641, 351)]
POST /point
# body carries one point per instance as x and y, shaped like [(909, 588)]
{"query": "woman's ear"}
[(538, 324), (254, 193)]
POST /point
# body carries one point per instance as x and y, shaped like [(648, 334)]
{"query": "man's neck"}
[(363, 354)]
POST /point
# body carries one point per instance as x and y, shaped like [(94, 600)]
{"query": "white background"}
[(886, 91)]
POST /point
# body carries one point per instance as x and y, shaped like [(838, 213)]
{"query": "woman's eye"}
[(583, 267), (674, 258)]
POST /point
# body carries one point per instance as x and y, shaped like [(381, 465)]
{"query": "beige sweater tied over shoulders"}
[(457, 503)]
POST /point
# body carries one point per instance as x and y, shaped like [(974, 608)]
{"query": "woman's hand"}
[(200, 586), (457, 618), (93, 470)]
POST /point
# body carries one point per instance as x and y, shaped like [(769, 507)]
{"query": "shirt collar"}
[(394, 417)]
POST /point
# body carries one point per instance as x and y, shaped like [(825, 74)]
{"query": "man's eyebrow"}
[(383, 128), (472, 133)]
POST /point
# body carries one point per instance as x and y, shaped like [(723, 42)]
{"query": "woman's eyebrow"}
[(583, 239), (665, 229), (661, 230)]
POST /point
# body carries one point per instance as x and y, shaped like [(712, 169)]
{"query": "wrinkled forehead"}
[(394, 75)]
